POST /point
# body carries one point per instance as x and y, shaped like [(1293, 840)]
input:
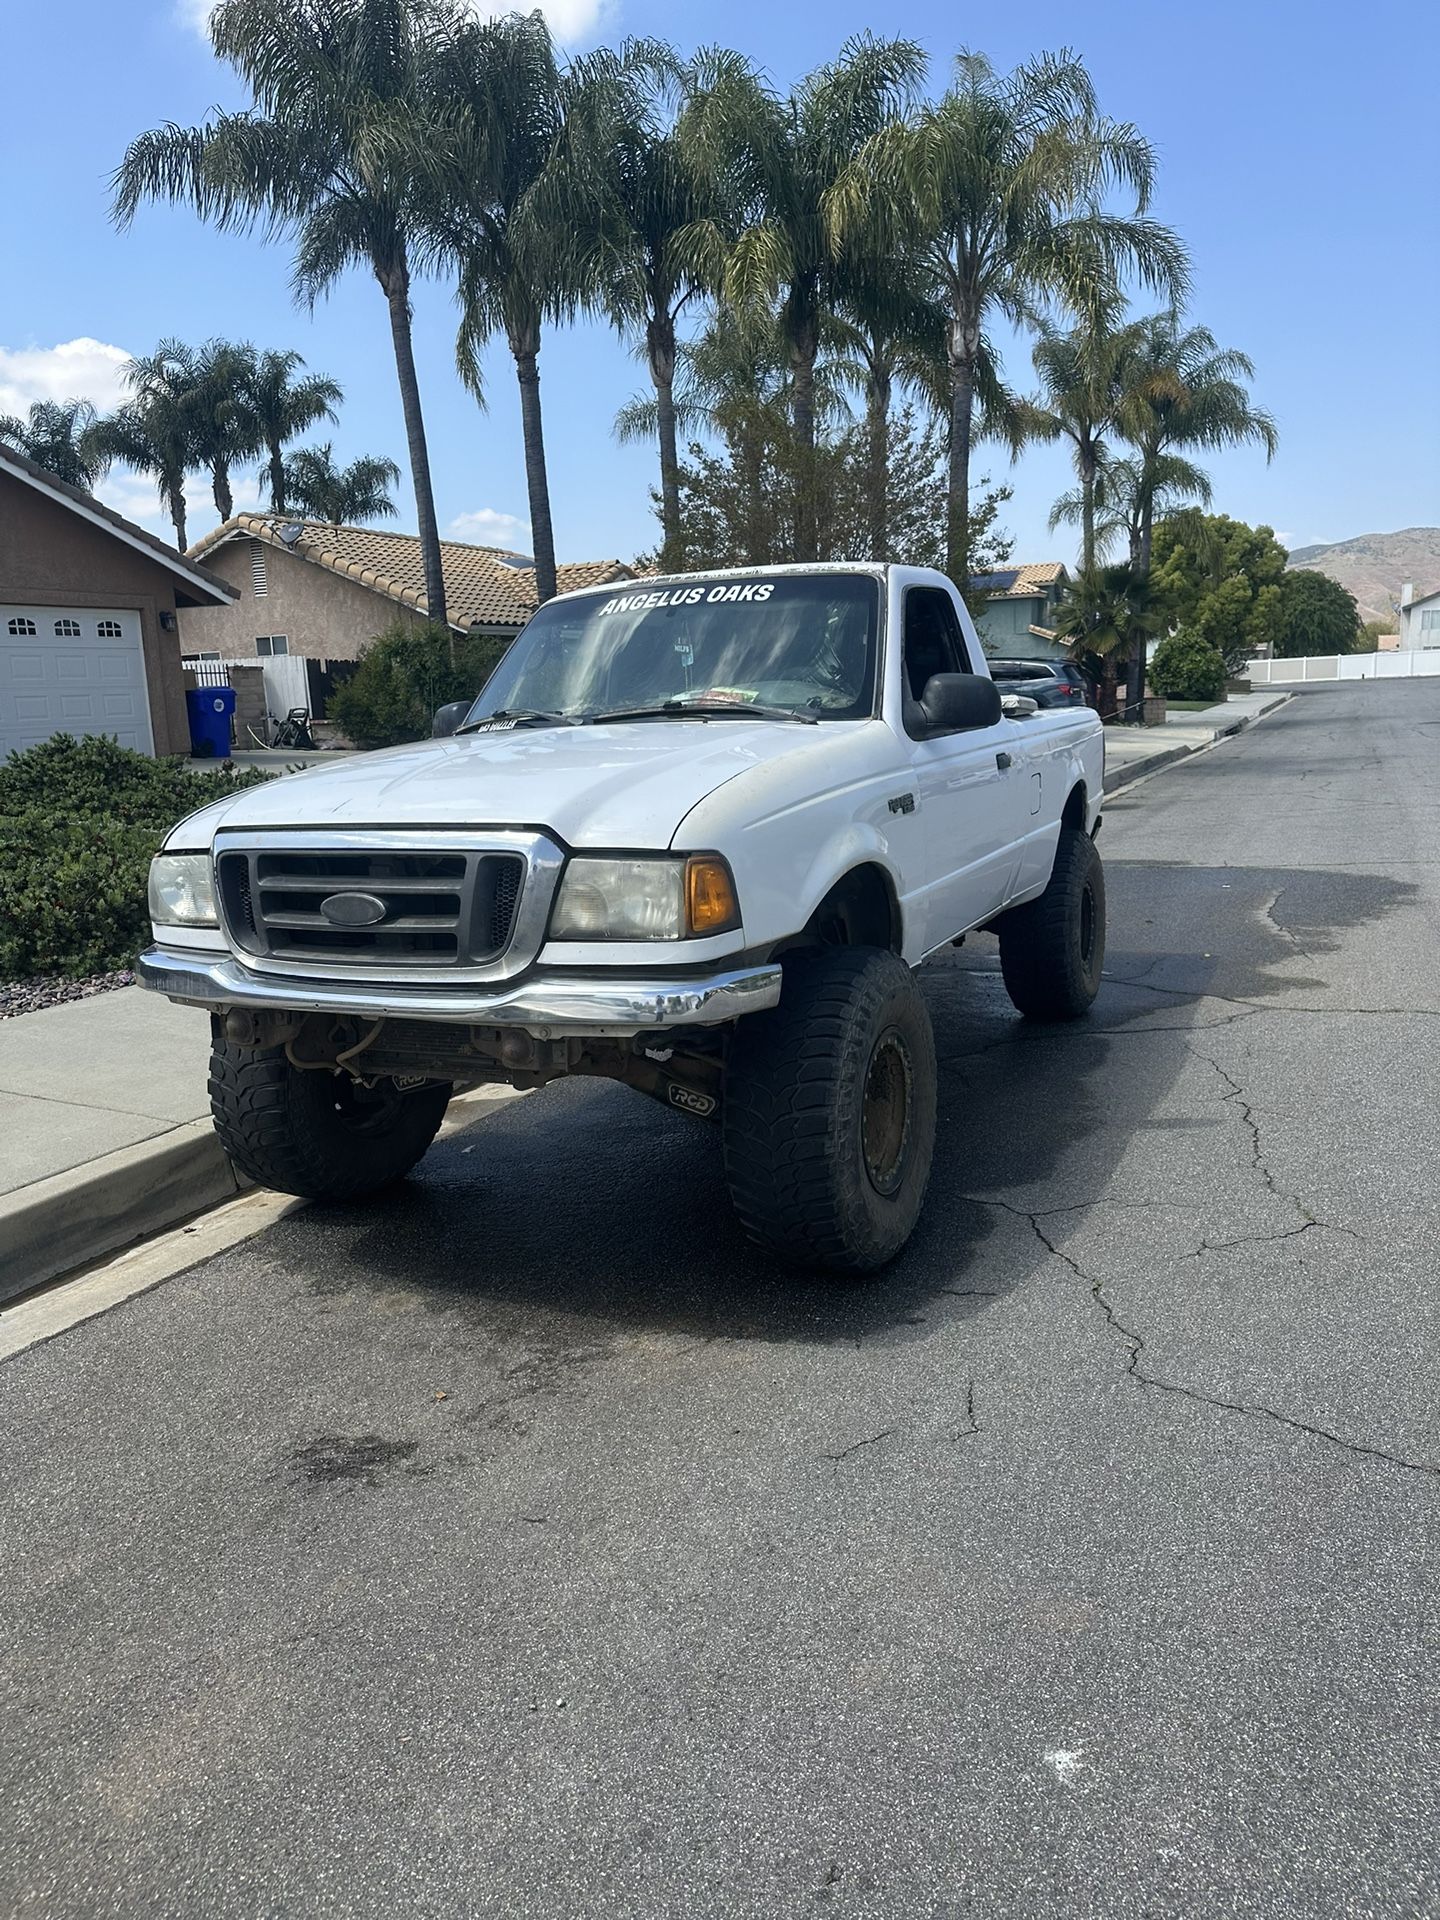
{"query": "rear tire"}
[(318, 1134), (829, 1112), (1052, 950)]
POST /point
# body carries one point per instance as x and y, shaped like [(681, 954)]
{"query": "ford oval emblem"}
[(353, 909)]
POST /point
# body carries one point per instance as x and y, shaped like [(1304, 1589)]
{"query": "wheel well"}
[(1076, 808), (860, 910)]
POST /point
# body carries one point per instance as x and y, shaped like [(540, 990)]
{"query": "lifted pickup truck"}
[(695, 834)]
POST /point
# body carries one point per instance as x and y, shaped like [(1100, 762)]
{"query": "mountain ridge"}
[(1375, 566)]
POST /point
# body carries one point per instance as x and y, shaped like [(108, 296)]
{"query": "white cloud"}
[(81, 369), (486, 527), (570, 21)]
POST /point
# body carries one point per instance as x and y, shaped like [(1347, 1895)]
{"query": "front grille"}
[(439, 909)]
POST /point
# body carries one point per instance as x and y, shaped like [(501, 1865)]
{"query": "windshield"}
[(805, 642)]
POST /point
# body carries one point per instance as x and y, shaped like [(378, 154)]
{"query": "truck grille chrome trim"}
[(379, 904), (545, 1003)]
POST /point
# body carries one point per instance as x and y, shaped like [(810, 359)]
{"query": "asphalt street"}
[(527, 1545)]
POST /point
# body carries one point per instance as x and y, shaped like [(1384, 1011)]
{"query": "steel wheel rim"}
[(887, 1104)]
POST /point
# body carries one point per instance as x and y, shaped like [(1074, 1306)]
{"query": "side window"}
[(933, 642)]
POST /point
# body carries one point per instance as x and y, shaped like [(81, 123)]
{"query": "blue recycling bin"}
[(211, 710)]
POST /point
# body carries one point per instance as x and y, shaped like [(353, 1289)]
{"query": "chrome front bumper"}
[(544, 1005)]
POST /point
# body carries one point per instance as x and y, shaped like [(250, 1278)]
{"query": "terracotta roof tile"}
[(483, 586), (1026, 582)]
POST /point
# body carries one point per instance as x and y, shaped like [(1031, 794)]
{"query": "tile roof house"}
[(1019, 611), (307, 588), (88, 622)]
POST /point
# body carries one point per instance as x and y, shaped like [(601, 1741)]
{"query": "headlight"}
[(182, 890), (645, 899)]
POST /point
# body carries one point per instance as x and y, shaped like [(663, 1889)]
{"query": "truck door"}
[(970, 787)]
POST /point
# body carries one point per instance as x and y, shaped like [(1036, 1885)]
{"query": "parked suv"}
[(1049, 683), (694, 835)]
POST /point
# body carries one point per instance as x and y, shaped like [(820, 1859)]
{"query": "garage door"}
[(72, 670)]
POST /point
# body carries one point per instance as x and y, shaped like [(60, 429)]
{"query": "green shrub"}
[(403, 676), (79, 821), (1187, 667)]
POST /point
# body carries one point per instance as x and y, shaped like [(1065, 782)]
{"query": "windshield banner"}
[(752, 590)]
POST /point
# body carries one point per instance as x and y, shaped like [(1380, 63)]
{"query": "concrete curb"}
[(74, 1219), (1152, 763), (55, 1225)]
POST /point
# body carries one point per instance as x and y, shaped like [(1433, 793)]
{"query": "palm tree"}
[(154, 432), (226, 429), (316, 158), (1181, 391), (341, 496), (1000, 189), (883, 335), (1107, 617), (285, 407), (59, 435), (1080, 374), (780, 160), (481, 152), (653, 240)]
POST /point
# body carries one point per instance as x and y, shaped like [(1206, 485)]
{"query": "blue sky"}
[(1298, 161)]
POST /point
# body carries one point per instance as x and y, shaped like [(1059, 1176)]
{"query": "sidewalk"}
[(1132, 752), (105, 1125)]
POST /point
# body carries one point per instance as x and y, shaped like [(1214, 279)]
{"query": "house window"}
[(20, 626), (109, 629), (1430, 623), (67, 629), (267, 644), (186, 659)]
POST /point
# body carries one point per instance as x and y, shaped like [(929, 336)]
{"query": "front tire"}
[(829, 1112), (321, 1135), (1052, 950)]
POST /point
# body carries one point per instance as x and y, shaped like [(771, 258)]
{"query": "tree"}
[(739, 500), (781, 161), (1107, 615), (154, 432), (1180, 392), (482, 153), (1000, 189), (59, 435), (1317, 615), (224, 427), (653, 243), (320, 158), (1220, 579), (1081, 373), (284, 408), (341, 496)]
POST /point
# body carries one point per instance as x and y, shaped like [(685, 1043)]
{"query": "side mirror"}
[(958, 702), (448, 718)]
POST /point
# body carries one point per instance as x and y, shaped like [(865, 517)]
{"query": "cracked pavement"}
[(528, 1545)]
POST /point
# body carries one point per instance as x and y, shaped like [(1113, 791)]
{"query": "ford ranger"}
[(695, 834)]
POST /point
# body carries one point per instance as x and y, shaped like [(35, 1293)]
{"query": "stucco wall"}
[(321, 614), (50, 557)]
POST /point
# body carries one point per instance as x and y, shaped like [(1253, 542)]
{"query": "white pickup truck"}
[(695, 834)]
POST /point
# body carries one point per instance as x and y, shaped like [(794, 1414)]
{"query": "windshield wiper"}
[(707, 710), (504, 718)]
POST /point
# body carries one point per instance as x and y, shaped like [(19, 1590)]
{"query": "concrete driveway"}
[(527, 1545)]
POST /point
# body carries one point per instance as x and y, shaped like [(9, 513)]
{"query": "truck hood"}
[(629, 784)]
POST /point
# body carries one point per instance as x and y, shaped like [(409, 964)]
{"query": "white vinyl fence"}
[(1344, 666)]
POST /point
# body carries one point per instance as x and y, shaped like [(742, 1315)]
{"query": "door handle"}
[(1002, 760)]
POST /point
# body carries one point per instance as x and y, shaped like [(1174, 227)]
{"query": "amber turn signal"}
[(710, 903)]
